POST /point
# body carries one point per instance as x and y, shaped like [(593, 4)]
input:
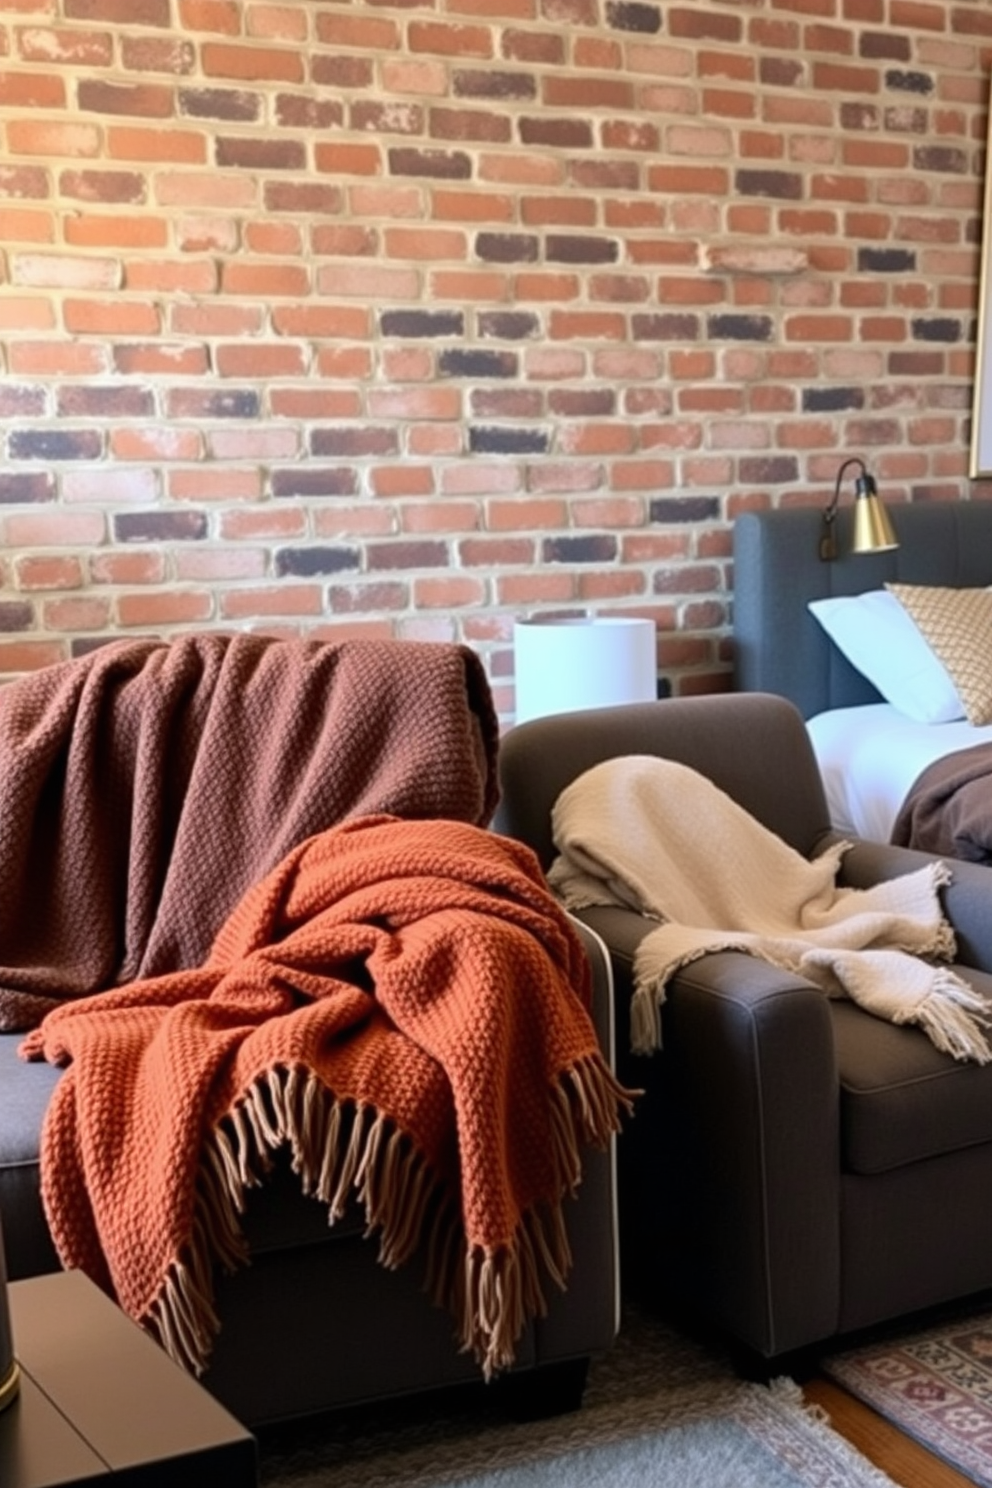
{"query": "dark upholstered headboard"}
[(779, 647)]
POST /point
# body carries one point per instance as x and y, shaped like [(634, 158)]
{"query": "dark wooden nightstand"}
[(101, 1402)]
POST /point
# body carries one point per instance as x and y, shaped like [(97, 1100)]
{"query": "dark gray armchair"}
[(797, 1168)]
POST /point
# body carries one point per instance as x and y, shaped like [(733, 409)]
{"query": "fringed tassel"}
[(645, 1018), (951, 1016), (366, 1157)]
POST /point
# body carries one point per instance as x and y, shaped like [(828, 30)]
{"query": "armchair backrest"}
[(752, 745)]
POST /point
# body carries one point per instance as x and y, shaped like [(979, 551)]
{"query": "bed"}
[(876, 759)]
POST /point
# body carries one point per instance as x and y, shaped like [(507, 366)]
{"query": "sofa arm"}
[(730, 1171), (967, 899), (585, 1318)]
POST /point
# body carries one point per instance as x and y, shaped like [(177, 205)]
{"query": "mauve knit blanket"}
[(404, 1004), (145, 787)]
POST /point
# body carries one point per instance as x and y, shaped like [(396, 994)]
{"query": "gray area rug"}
[(660, 1411)]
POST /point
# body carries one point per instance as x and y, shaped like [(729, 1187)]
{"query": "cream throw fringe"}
[(343, 1152), (657, 837)]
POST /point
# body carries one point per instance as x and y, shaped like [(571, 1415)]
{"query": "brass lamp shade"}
[(873, 532), (872, 529)]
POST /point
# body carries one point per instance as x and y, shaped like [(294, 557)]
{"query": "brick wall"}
[(416, 316)]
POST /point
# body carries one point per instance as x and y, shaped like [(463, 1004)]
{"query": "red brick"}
[(252, 64)]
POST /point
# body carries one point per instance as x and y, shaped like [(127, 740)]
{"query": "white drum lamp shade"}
[(565, 665)]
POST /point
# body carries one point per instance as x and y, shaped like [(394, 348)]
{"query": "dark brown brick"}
[(494, 85), (739, 327), (781, 72), (158, 526), (564, 134), (666, 509), (308, 563), (56, 444), (24, 488), (419, 323), (496, 441), (937, 328), (468, 362), (915, 364), (444, 165), (783, 185), (892, 45), (832, 399), (627, 15), (561, 248), (494, 247), (909, 82), (860, 117), (235, 105), (509, 325), (886, 260), (15, 615), (589, 548), (944, 158), (329, 481)]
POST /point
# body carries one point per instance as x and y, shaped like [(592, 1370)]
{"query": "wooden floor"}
[(899, 1456)]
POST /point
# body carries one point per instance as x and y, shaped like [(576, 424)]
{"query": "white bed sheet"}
[(870, 756)]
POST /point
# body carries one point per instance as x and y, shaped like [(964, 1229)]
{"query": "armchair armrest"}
[(967, 899), (730, 1171)]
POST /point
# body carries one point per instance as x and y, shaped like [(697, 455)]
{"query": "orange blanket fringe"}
[(401, 1002)]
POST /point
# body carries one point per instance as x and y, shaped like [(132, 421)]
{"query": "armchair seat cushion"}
[(901, 1100)]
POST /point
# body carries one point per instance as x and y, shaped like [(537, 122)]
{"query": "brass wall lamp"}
[(873, 532)]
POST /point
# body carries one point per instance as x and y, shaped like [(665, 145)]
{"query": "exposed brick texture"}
[(407, 319)]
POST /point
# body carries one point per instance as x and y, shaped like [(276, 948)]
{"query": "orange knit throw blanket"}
[(405, 1005)]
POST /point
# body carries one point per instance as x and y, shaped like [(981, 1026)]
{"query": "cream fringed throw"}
[(655, 836), (404, 1004)]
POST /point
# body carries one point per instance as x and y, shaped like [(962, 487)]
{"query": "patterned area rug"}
[(659, 1410), (935, 1384)]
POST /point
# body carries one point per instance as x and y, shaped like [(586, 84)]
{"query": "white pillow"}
[(884, 644)]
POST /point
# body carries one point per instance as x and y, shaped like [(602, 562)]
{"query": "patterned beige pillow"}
[(957, 626)]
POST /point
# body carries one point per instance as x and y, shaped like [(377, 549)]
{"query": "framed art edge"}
[(981, 412)]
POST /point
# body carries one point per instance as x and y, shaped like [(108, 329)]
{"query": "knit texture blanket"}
[(657, 837), (145, 787), (405, 1005)]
